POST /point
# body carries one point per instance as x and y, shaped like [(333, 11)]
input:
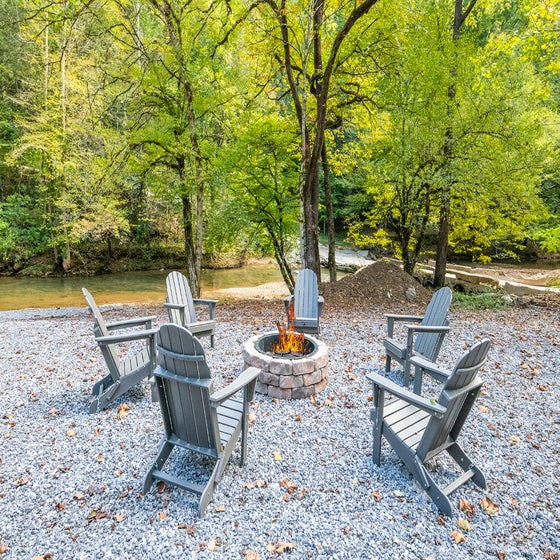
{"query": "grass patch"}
[(485, 300)]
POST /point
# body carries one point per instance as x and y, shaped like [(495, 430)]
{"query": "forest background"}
[(200, 133)]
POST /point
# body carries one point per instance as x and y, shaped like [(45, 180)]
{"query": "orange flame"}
[(289, 341)]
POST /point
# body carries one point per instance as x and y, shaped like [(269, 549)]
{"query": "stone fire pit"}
[(293, 377)]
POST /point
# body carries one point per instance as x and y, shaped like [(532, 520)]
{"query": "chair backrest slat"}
[(186, 406), (458, 395), (178, 292), (306, 294), (429, 344), (100, 329)]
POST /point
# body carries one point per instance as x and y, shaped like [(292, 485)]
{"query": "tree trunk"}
[(445, 210), (330, 216)]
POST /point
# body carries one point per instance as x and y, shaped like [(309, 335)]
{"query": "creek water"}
[(128, 287)]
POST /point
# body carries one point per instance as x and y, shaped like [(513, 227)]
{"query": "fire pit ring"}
[(294, 377)]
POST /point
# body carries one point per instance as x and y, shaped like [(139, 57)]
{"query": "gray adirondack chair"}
[(308, 304), (195, 417), (424, 338), (418, 429), (125, 372), (181, 307)]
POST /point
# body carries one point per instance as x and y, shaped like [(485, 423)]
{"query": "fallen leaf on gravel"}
[(220, 509), (501, 555), (162, 515), (122, 411), (514, 439), (252, 417), (71, 433), (482, 408), (277, 455), (541, 387), (514, 502), (489, 506), (289, 486), (463, 524), (100, 457), (188, 528), (551, 555), (43, 556), (297, 418), (60, 506), (457, 537), (120, 517), (78, 496), (251, 555), (160, 486), (22, 481), (375, 495), (212, 545), (467, 508), (3, 548)]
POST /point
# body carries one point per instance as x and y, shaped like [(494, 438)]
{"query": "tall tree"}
[(310, 64)]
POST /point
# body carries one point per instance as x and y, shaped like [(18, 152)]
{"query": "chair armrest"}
[(422, 365), (126, 337), (406, 395), (127, 323), (170, 305), (210, 303), (391, 319), (246, 377), (427, 328), (417, 318)]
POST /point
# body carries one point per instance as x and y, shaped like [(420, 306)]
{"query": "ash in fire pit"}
[(288, 374)]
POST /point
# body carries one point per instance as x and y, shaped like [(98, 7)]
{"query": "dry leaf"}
[(252, 555), (514, 439), (3, 548), (161, 486), (122, 411), (375, 495), (60, 506), (289, 486), (482, 408), (501, 555), (297, 418), (162, 515), (489, 506), (252, 417), (22, 481), (457, 537), (514, 502), (220, 508), (467, 508), (100, 458), (463, 524), (189, 528), (271, 549), (283, 546), (277, 455), (541, 387), (212, 546), (120, 517), (79, 496), (71, 433)]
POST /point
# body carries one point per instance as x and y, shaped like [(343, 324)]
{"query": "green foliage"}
[(481, 301)]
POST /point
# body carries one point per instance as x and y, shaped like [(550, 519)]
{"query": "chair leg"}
[(377, 435), (388, 363), (208, 491), (212, 340), (437, 495), (463, 460), (164, 451), (406, 369)]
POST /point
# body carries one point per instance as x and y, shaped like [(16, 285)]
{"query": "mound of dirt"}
[(381, 283)]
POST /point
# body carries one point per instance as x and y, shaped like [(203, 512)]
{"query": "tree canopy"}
[(417, 129)]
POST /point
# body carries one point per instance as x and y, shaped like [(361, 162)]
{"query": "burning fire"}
[(289, 341)]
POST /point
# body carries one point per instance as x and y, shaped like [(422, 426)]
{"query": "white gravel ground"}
[(70, 482)]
